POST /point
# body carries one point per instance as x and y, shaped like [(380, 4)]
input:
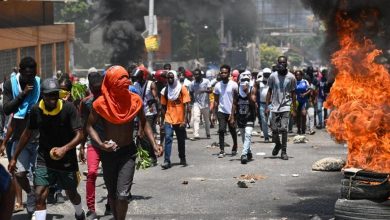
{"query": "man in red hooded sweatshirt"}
[(115, 110)]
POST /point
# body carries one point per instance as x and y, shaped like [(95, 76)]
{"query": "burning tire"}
[(361, 210)]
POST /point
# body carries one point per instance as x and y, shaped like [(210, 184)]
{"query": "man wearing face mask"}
[(60, 132), (245, 100), (262, 80), (281, 94), (21, 92), (116, 109), (174, 100)]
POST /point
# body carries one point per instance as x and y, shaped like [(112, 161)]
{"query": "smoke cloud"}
[(123, 21), (377, 29)]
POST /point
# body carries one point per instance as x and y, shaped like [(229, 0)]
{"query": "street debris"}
[(300, 139), (216, 145), (260, 154), (242, 184), (295, 175), (185, 182), (328, 164), (251, 176)]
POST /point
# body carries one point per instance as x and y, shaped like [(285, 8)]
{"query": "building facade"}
[(27, 28)]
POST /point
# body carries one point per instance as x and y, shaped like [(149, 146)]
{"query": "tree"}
[(268, 55)]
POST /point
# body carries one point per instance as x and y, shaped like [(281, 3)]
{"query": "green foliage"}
[(294, 58), (79, 91), (268, 55), (143, 159)]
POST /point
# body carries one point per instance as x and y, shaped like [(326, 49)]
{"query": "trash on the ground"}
[(254, 133), (185, 182), (260, 153), (276, 198), (284, 218), (328, 164), (315, 217), (295, 175), (251, 177), (242, 184), (216, 145), (300, 139), (315, 147), (282, 174)]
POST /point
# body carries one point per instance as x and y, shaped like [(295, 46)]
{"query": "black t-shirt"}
[(245, 112), (56, 131)]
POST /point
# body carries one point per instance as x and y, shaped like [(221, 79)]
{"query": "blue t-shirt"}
[(302, 87)]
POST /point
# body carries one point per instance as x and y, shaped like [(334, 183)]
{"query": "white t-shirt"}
[(201, 99), (263, 92), (225, 92)]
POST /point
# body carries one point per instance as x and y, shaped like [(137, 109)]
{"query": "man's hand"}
[(82, 155), (27, 89), (266, 110), (109, 146), (12, 166), (158, 150), (60, 152), (232, 121)]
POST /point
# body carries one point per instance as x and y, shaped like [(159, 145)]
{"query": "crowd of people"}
[(43, 125)]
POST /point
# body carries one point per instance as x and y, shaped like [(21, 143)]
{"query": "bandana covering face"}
[(175, 88), (117, 104), (245, 78)]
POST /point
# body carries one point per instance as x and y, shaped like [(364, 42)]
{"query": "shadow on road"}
[(317, 195)]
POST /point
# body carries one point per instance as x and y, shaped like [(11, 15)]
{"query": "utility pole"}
[(150, 33), (222, 37)]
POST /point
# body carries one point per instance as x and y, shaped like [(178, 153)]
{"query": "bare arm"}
[(21, 145), (216, 100), (92, 119), (147, 130), (252, 97)]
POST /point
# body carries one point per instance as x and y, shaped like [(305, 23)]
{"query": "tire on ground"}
[(361, 210)]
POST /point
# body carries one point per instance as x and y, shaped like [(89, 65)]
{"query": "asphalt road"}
[(289, 190)]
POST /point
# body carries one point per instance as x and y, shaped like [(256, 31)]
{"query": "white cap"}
[(267, 70), (92, 70)]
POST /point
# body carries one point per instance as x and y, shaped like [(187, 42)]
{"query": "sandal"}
[(18, 208)]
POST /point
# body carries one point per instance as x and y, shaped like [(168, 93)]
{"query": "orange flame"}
[(360, 100)]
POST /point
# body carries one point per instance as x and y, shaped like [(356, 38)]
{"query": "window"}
[(60, 56), (7, 62), (46, 60), (27, 52)]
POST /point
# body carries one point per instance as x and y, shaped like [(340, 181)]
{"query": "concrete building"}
[(27, 28)]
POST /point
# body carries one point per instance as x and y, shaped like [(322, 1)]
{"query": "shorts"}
[(302, 105), (27, 157), (67, 180), (118, 172)]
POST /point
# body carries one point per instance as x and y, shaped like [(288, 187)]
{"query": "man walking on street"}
[(116, 109), (200, 88), (21, 92), (57, 159), (174, 100), (245, 100), (281, 95), (223, 97)]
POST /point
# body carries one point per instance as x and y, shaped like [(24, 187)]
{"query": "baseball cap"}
[(50, 85)]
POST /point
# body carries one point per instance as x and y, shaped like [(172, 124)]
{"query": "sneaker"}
[(221, 154), (250, 156), (108, 210), (266, 140), (59, 197), (91, 215), (80, 217), (284, 155), (290, 131), (234, 153), (183, 162), (276, 150), (154, 162), (194, 138), (312, 132), (244, 159), (50, 197), (30, 203), (166, 165), (208, 136)]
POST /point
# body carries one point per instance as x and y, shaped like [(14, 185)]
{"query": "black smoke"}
[(123, 22), (376, 29)]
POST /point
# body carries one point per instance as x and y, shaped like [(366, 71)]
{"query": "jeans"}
[(93, 160), (263, 120), (310, 118), (222, 121), (279, 125), (320, 105), (196, 113), (246, 135), (180, 135)]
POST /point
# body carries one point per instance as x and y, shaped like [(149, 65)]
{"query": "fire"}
[(360, 99)]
